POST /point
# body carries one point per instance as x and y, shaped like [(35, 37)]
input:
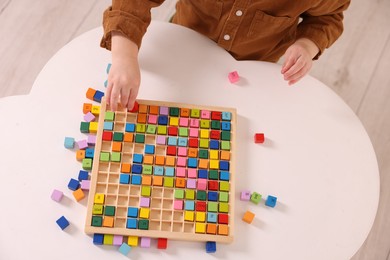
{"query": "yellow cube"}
[(144, 213), (214, 154), (200, 228), (132, 241), (204, 143), (189, 215), (93, 127), (95, 110), (97, 209), (146, 191), (99, 198), (174, 121), (108, 239), (224, 186), (200, 216), (214, 164), (223, 207), (204, 133)]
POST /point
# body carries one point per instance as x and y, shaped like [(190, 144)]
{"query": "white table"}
[(317, 158)]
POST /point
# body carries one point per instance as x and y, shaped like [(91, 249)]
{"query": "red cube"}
[(259, 138), (162, 243)]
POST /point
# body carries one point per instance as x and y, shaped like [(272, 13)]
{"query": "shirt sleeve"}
[(323, 24), (129, 17)]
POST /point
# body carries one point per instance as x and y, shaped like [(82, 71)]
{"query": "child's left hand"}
[(298, 60)]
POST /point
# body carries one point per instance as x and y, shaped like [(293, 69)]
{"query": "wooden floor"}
[(355, 68)]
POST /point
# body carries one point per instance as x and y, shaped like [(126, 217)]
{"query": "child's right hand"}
[(124, 77)]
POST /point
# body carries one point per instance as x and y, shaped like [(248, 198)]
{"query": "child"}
[(248, 29)]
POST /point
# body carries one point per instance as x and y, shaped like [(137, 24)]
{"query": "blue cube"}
[(149, 149), (124, 179), (202, 174), (137, 158), (211, 247), (130, 128), (181, 141), (98, 96), (83, 175), (271, 201), (158, 170), (124, 249), (132, 212), (214, 144), (131, 223), (69, 142), (108, 126), (62, 222), (225, 126), (89, 153), (163, 120), (136, 179), (170, 171), (212, 196), (98, 239), (192, 163), (211, 217), (224, 165), (224, 176), (73, 184), (226, 116), (137, 169)]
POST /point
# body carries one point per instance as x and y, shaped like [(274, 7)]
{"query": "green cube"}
[(216, 125), (143, 224), (201, 195), (183, 131), (147, 169), (104, 157), (203, 154), (255, 197), (117, 137), (151, 129), (225, 135), (212, 206), (223, 196), (179, 194), (109, 116), (174, 111), (109, 211), (140, 138), (97, 221), (84, 127), (115, 156), (87, 164), (213, 175), (225, 145)]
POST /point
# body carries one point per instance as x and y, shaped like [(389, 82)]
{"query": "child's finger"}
[(287, 64)]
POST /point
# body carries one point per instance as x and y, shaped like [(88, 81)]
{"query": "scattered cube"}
[(162, 243), (255, 197), (98, 239), (259, 138), (248, 217), (73, 184), (98, 96), (78, 194), (89, 117), (57, 195), (62, 222), (69, 142), (135, 107), (145, 242), (85, 184), (124, 249), (83, 175), (90, 93), (271, 201), (211, 247), (233, 77), (245, 195)]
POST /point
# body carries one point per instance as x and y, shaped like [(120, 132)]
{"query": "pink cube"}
[(233, 77), (89, 117), (152, 119), (181, 161), (191, 173), (194, 132), (145, 242), (57, 195), (194, 123), (160, 139), (144, 202), (191, 183), (202, 184), (85, 184), (183, 121), (118, 240), (82, 144), (205, 114), (245, 195), (91, 140), (180, 172), (178, 204), (182, 151)]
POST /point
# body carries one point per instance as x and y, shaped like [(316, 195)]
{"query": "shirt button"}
[(239, 13), (226, 37)]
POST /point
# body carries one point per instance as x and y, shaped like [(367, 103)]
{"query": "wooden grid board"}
[(164, 171)]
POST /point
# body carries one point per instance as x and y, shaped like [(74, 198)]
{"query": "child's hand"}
[(298, 60), (124, 76)]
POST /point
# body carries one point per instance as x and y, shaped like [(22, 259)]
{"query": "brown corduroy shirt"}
[(247, 29)]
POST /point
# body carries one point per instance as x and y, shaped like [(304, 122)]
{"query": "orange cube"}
[(180, 183), (78, 194), (248, 217), (80, 155), (170, 161), (148, 159), (184, 112), (141, 118), (116, 146), (87, 107), (223, 230), (203, 163), (225, 155), (90, 93), (125, 167), (157, 180), (160, 160), (143, 109), (108, 221), (193, 152), (153, 110), (211, 229), (146, 180), (128, 137)]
